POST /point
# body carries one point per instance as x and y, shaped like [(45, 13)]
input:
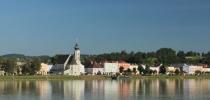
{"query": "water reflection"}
[(105, 90)]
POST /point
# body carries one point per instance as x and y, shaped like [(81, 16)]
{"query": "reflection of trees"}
[(57, 87), (162, 87), (94, 90), (106, 89), (179, 87)]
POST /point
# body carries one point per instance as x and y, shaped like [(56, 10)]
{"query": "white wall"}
[(111, 68), (94, 71)]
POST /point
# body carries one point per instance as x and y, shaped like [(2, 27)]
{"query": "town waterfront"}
[(140, 89)]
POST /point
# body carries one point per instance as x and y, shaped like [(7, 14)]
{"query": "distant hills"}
[(22, 56), (14, 56)]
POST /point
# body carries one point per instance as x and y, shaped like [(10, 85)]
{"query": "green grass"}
[(53, 77), (96, 77)]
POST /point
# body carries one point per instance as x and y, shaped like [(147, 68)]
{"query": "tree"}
[(128, 72), (147, 70), (166, 56), (140, 69), (35, 66), (162, 70), (192, 54), (26, 69), (121, 69), (181, 57), (177, 72), (134, 70), (10, 66)]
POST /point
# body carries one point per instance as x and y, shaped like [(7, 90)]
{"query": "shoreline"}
[(98, 77)]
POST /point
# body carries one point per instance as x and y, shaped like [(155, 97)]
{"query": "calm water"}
[(106, 90)]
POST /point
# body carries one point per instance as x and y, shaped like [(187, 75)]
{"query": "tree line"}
[(165, 56), (15, 66)]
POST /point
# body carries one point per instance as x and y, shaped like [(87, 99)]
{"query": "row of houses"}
[(95, 68), (187, 69), (92, 68), (108, 67)]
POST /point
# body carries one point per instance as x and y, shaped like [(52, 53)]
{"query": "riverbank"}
[(99, 77)]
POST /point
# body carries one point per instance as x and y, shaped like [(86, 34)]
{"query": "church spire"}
[(76, 47)]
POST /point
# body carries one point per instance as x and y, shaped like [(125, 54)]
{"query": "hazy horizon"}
[(50, 27)]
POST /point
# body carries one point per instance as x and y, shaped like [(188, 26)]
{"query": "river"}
[(145, 89)]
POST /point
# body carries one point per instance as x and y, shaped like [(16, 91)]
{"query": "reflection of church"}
[(71, 66)]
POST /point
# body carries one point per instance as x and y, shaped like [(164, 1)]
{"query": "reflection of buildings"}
[(105, 89), (196, 87), (94, 90), (74, 90), (111, 90), (124, 87), (43, 89)]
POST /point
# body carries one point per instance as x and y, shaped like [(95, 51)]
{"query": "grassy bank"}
[(54, 77), (173, 77), (100, 77)]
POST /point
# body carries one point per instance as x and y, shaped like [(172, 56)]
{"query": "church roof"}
[(60, 59)]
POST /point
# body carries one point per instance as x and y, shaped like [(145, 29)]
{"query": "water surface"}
[(145, 89)]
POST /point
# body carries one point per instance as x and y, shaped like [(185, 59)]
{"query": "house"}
[(2, 73), (111, 68), (170, 69), (94, 68), (157, 69), (45, 68), (206, 70), (190, 69), (123, 64)]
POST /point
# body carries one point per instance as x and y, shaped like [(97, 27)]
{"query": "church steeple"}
[(76, 57), (76, 47)]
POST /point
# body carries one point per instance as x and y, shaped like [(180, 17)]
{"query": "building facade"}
[(73, 65)]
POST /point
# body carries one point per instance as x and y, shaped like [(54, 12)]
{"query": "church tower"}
[(75, 67), (77, 54)]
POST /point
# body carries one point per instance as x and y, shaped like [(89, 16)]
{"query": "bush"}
[(197, 72), (177, 72)]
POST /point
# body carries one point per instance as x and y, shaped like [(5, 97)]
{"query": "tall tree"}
[(181, 57), (10, 66), (167, 56), (35, 65)]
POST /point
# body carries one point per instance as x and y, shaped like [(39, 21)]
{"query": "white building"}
[(44, 69), (73, 65), (94, 68), (192, 68), (111, 68)]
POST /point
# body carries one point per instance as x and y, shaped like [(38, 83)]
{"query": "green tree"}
[(177, 72), (140, 69), (128, 72), (10, 66), (167, 56), (35, 66), (26, 69), (147, 70), (162, 70), (181, 57), (134, 70), (121, 69)]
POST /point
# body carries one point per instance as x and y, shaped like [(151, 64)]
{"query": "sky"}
[(49, 27)]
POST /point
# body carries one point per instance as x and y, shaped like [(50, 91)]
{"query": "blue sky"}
[(49, 27)]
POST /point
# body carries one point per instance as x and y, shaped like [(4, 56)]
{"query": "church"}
[(71, 66)]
